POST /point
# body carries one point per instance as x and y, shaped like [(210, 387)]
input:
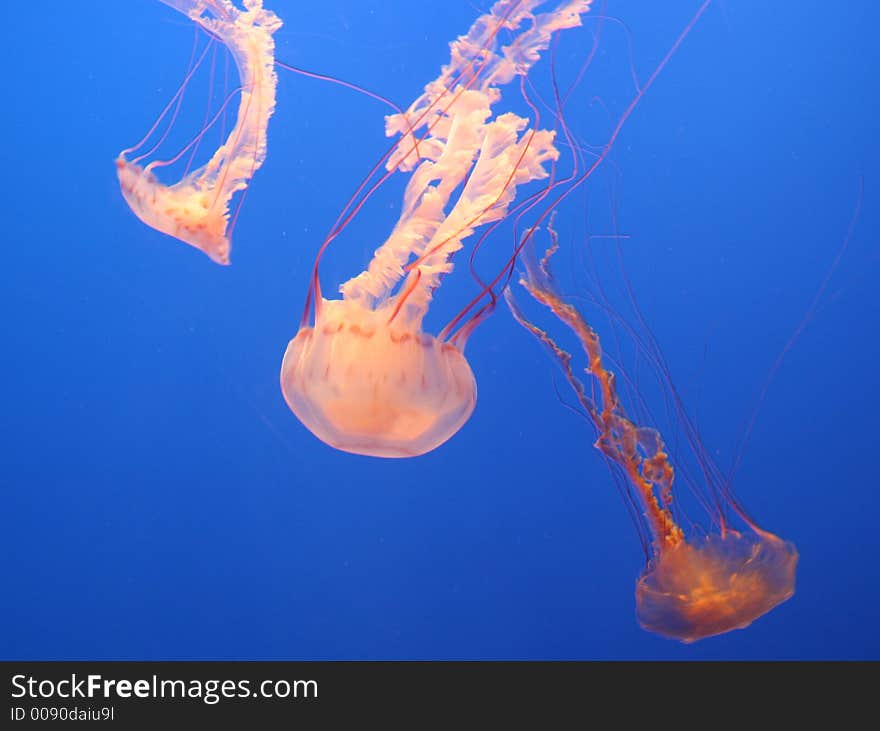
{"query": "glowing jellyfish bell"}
[(369, 385), (195, 209), (363, 376)]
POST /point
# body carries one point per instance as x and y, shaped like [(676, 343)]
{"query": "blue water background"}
[(160, 501)]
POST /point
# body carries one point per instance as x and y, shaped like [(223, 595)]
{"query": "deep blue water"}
[(162, 502)]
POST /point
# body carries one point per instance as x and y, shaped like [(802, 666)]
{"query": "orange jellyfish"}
[(692, 587), (362, 376), (195, 209)]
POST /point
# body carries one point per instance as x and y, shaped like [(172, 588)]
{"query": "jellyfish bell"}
[(368, 386), (186, 213), (715, 584)]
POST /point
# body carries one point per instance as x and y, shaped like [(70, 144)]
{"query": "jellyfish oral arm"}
[(463, 143), (475, 64), (638, 450), (425, 237), (425, 200), (196, 209), (508, 157)]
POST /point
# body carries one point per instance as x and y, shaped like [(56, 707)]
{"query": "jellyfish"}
[(694, 587), (195, 209), (361, 374)]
